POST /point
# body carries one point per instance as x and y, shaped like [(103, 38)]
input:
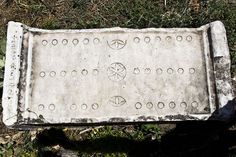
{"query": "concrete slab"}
[(114, 75)]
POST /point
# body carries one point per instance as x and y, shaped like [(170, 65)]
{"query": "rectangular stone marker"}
[(114, 75)]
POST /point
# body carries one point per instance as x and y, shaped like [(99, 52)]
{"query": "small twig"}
[(89, 129)]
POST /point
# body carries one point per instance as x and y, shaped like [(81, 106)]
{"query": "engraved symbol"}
[(116, 72), (117, 101), (116, 44)]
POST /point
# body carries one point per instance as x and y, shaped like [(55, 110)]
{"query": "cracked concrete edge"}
[(221, 63), (12, 73)]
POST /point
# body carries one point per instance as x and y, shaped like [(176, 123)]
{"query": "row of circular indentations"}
[(75, 41), (138, 105), (52, 107), (135, 71), (72, 73), (168, 70), (161, 105), (167, 38), (86, 41)]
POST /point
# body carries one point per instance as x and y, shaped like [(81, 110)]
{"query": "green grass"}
[(80, 14)]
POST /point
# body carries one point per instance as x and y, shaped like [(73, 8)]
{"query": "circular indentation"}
[(160, 105), (73, 107), (191, 70), (136, 39), (96, 41), (10, 91), (138, 105), (75, 41), (158, 38), (51, 107), (64, 41), (117, 101), (147, 71), (179, 38), (40, 107), (84, 106), (149, 105), (180, 70), (86, 41), (194, 104), (73, 73), (52, 73), (168, 38), (189, 38), (172, 104), (183, 104), (147, 39), (84, 72), (54, 42), (63, 73), (159, 71), (42, 74), (44, 42), (170, 71), (95, 106), (116, 72), (95, 72), (136, 71)]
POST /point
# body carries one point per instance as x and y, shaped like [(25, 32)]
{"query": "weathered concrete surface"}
[(114, 75)]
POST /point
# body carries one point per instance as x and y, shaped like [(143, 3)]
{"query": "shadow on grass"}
[(190, 139)]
